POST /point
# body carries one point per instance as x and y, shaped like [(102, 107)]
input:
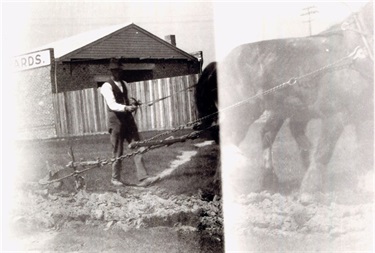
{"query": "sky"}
[(245, 22), (212, 27), (41, 23)]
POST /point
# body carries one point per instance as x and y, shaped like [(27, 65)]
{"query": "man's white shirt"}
[(107, 92)]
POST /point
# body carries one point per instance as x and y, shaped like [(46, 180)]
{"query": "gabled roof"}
[(122, 41)]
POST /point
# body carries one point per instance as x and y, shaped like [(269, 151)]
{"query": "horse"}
[(328, 76), (206, 100)]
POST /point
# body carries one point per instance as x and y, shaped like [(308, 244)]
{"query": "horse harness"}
[(359, 30)]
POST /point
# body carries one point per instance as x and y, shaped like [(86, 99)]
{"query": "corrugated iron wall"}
[(84, 111), (34, 111)]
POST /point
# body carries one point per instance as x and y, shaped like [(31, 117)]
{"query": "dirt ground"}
[(275, 220), (179, 213)]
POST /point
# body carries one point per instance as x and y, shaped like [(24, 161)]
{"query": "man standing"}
[(121, 122)]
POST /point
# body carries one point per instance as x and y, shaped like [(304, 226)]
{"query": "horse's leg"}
[(268, 135), (235, 123), (298, 131), (236, 172), (331, 130), (365, 158)]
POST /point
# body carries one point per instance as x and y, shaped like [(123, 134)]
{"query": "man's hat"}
[(115, 64)]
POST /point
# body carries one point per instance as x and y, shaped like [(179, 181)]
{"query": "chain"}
[(93, 164), (167, 141), (291, 82), (188, 125), (102, 162)]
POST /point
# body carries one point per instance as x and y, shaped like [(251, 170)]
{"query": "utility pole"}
[(309, 11)]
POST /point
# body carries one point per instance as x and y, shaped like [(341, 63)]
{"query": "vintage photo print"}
[(203, 126)]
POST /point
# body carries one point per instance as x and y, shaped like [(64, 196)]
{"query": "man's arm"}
[(106, 91)]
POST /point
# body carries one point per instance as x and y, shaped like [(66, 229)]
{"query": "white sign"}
[(32, 60)]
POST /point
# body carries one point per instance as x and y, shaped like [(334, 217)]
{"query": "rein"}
[(152, 143), (357, 53), (139, 103), (294, 80), (150, 103)]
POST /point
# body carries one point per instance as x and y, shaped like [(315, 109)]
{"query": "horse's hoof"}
[(312, 181), (307, 198), (270, 180)]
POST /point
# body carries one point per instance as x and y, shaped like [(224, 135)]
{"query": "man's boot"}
[(116, 173), (140, 167)]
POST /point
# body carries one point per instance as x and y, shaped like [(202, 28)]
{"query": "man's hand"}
[(130, 108)]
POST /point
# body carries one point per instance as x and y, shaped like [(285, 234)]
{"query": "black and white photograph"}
[(187, 126)]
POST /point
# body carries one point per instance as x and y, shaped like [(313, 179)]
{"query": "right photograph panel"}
[(296, 87)]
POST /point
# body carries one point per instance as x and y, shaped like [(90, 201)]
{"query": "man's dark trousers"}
[(118, 134)]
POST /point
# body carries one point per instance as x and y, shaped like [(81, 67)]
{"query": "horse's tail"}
[(206, 95), (206, 99)]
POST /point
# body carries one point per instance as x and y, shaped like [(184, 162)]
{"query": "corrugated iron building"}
[(81, 62)]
